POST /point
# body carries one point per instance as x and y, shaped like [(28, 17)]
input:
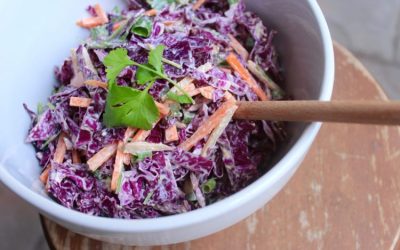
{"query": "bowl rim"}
[(210, 212)]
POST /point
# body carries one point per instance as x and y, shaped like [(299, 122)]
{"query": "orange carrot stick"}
[(207, 126), (217, 132), (191, 90), (116, 25), (163, 109), (151, 12), (118, 165), (58, 157), (171, 134), (101, 14), (44, 176), (141, 135), (189, 87), (95, 83), (237, 46), (61, 149), (129, 132), (102, 156), (89, 22), (198, 4), (75, 156), (245, 75), (80, 102), (169, 22), (207, 92), (229, 97)]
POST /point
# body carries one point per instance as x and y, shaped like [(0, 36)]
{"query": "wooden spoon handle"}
[(363, 112)]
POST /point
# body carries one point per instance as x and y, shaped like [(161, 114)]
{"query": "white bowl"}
[(38, 35)]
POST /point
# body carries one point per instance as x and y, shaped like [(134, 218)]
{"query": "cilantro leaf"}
[(142, 27), (155, 58), (159, 4), (152, 70), (130, 107), (115, 62), (126, 106), (183, 99), (143, 75)]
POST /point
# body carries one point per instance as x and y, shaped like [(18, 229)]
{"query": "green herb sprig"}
[(126, 106)]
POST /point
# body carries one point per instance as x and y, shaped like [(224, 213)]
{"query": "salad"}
[(140, 123)]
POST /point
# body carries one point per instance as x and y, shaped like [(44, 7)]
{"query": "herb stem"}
[(165, 60), (179, 88), (172, 63), (149, 86), (163, 76)]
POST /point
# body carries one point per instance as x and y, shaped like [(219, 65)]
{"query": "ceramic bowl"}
[(39, 35)]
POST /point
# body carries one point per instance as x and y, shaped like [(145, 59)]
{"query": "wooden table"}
[(346, 194)]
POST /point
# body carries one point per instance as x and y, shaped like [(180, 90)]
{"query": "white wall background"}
[(371, 30)]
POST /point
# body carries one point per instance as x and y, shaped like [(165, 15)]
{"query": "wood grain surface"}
[(346, 194)]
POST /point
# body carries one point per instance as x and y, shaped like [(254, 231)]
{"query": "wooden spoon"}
[(363, 112)]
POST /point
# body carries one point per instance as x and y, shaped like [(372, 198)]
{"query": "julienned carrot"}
[(61, 149), (101, 13), (91, 22), (151, 12), (127, 159), (118, 165), (169, 22), (207, 126), (198, 4), (44, 176), (141, 135), (163, 109), (129, 132), (245, 75), (207, 92), (229, 97), (80, 102), (237, 46), (95, 83), (191, 89), (171, 134), (102, 156), (75, 156), (58, 157), (116, 25), (217, 132)]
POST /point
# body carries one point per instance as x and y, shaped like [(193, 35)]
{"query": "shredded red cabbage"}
[(159, 183)]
